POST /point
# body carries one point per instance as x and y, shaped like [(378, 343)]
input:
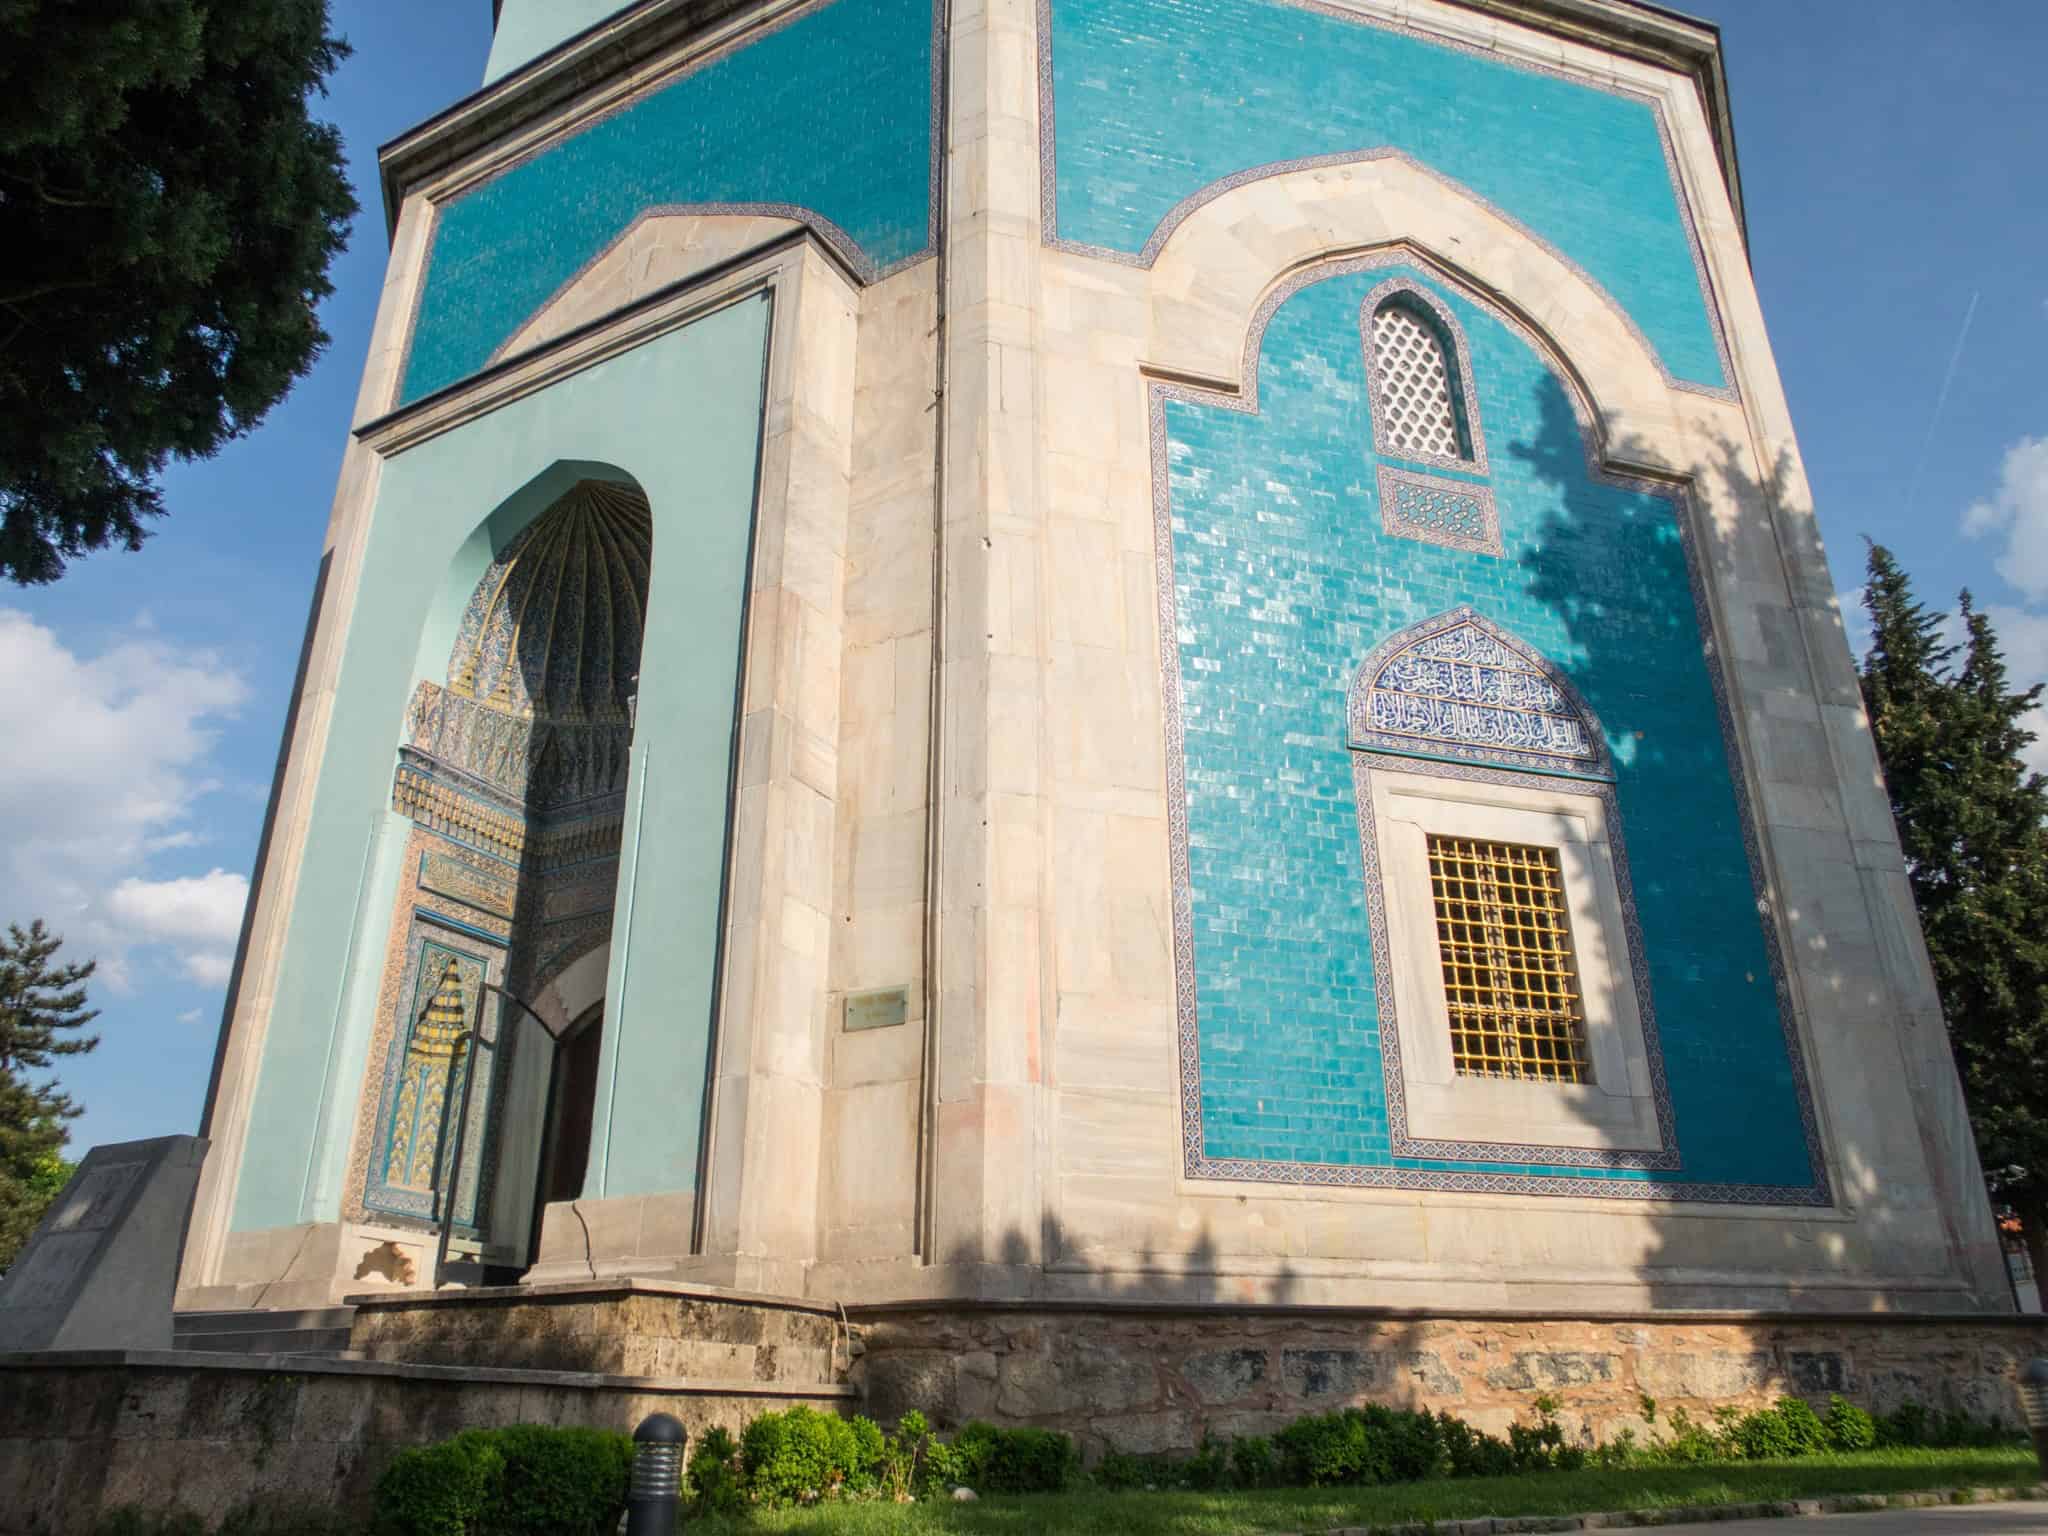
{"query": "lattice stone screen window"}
[(1511, 985), (1412, 384)]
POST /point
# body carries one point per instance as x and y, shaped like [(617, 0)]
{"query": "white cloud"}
[(206, 908), (1855, 622), (201, 914), (191, 1016), (2023, 637), (208, 967), (2019, 511), (2036, 756), (111, 756)]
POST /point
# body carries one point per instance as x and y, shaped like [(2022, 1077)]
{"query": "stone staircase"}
[(320, 1332)]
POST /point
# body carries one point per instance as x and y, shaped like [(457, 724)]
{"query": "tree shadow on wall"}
[(1168, 1339), (1148, 1357), (1595, 569)]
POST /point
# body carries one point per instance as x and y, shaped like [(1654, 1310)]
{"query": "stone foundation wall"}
[(1158, 1381), (628, 1327), (82, 1433)]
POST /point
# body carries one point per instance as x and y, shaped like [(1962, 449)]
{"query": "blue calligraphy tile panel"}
[(827, 117), (1284, 580), (1155, 101), (1459, 689)]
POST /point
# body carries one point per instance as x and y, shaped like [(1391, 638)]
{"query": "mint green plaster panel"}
[(529, 28), (681, 416)]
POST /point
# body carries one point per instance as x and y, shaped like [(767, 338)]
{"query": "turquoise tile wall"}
[(1284, 582), (831, 113), (1156, 99)]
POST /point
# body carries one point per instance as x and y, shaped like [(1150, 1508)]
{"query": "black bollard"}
[(657, 1487), (2034, 1400)]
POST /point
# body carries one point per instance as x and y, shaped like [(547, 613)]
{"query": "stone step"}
[(623, 1327), (320, 1331)]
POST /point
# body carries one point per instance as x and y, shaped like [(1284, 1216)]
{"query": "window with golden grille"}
[(1510, 975)]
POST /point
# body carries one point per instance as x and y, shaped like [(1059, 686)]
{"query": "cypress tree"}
[(42, 1008), (1973, 822)]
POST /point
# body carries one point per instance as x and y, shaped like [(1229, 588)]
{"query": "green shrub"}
[(1904, 1425), (1375, 1444), (438, 1490), (870, 1452), (1621, 1451), (1470, 1452), (1207, 1469), (1253, 1464), (800, 1456), (1788, 1429), (1808, 1434), (992, 1460), (1408, 1447), (1760, 1435), (1120, 1472), (901, 1463), (1541, 1447), (716, 1485), (1321, 1449), (1688, 1442), (1849, 1427), (558, 1482), (1959, 1429)]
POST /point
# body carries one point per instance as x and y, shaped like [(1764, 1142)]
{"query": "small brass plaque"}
[(877, 1010)]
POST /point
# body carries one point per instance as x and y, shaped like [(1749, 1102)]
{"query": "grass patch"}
[(1318, 1509)]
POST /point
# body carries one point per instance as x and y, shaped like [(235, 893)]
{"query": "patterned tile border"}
[(1464, 397), (1145, 256), (461, 880), (1398, 517), (1666, 1157), (414, 921), (1196, 1163), (842, 244)]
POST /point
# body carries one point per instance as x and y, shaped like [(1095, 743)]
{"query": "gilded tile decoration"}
[(436, 1051), (413, 1132), (1450, 513)]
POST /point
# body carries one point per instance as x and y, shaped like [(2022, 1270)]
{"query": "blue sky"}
[(1891, 156)]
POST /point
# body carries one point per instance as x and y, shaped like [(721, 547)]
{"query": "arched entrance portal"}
[(513, 771)]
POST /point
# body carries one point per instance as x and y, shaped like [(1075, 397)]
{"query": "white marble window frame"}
[(1617, 1109)]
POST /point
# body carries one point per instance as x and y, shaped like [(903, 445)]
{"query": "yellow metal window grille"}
[(1509, 973)]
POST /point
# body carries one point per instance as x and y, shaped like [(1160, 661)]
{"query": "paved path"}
[(1942, 1520)]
